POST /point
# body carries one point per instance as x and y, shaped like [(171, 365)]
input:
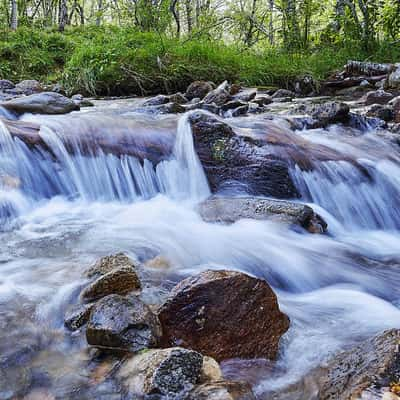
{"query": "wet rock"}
[(122, 280), (6, 84), (282, 93), (156, 101), (305, 85), (29, 87), (122, 323), (108, 263), (231, 209), (246, 96), (395, 104), (178, 98), (212, 108), (80, 101), (262, 100), (223, 314), (242, 110), (328, 113), (168, 108), (77, 316), (363, 372), (378, 97), (222, 390), (384, 113), (210, 371), (218, 96), (234, 89), (393, 81), (230, 105), (198, 89), (227, 157), (41, 103), (163, 371)]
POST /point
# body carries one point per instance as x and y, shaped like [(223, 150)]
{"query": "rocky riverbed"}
[(223, 243)]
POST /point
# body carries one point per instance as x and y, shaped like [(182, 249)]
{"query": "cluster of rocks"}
[(174, 349), (227, 100), (30, 96)]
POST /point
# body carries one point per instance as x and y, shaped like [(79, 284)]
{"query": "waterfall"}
[(359, 199), (70, 170)]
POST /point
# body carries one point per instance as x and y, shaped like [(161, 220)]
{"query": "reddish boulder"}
[(223, 314)]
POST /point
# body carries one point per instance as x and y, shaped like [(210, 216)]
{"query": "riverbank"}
[(122, 61)]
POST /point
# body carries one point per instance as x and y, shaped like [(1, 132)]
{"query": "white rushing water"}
[(66, 210)]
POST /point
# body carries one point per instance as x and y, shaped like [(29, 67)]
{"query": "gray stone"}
[(198, 89), (122, 323), (219, 96), (77, 316)]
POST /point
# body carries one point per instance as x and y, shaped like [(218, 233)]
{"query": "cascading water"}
[(77, 202)]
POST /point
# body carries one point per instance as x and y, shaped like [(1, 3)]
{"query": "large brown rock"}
[(198, 90), (231, 209), (165, 372), (106, 264), (222, 390), (223, 314), (122, 323), (227, 157)]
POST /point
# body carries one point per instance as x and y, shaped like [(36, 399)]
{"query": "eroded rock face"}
[(41, 103), (198, 89), (122, 323), (223, 314), (231, 209), (222, 390), (163, 371), (227, 157), (122, 280)]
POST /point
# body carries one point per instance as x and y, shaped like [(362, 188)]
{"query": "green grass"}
[(120, 61)]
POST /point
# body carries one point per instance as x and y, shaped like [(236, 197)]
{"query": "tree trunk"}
[(63, 15), (14, 15)]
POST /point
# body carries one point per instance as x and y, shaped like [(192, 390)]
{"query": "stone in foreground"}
[(231, 209), (122, 323), (222, 390), (41, 103), (121, 280), (166, 372), (77, 316), (224, 315)]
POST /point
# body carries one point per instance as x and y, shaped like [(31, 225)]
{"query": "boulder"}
[(262, 100), (224, 315), (242, 110), (29, 87), (41, 103), (122, 323), (218, 96), (178, 98), (166, 372), (378, 97), (6, 84), (122, 280), (227, 157), (282, 93), (107, 263), (198, 89), (222, 390), (156, 101), (234, 89), (230, 105), (247, 95), (168, 108), (380, 111), (328, 113), (231, 209), (77, 316), (393, 81)]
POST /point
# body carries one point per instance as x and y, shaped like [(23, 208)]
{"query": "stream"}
[(90, 196)]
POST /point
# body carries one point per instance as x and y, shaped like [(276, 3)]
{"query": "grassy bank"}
[(118, 61)]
